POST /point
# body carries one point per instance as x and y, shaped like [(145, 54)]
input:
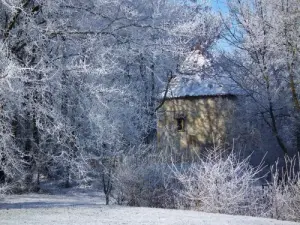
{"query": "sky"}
[(219, 6)]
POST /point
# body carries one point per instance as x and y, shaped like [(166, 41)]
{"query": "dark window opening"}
[(180, 124)]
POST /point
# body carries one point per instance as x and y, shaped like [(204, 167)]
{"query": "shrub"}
[(284, 190), (144, 184), (221, 183)]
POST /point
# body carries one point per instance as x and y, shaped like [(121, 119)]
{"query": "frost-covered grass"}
[(124, 215), (89, 208)]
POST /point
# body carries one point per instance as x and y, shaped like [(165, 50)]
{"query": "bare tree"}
[(84, 76), (263, 63)]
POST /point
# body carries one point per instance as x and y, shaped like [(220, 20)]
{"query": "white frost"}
[(194, 63), (192, 86), (78, 214)]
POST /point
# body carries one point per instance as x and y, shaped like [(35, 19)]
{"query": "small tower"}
[(196, 112)]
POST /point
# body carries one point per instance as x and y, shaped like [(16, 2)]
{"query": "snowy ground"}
[(79, 208)]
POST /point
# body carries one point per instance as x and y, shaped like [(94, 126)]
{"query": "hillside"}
[(89, 209)]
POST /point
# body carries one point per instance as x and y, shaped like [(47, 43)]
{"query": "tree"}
[(264, 37), (89, 73)]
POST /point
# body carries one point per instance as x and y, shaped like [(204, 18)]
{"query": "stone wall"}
[(187, 126)]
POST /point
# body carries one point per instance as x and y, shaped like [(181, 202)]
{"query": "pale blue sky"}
[(219, 5)]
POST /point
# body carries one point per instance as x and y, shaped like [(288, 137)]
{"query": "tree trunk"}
[(107, 199), (2, 177), (67, 177), (107, 186)]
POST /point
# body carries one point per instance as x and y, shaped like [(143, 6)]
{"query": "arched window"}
[(180, 123)]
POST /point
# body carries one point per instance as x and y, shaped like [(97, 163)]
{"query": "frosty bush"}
[(144, 185), (218, 182), (8, 188), (144, 182), (221, 183), (2, 191), (284, 190)]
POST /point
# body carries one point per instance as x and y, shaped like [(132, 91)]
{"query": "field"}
[(79, 208)]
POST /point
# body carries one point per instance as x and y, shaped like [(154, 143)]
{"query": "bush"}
[(220, 183), (144, 184), (10, 188), (284, 190)]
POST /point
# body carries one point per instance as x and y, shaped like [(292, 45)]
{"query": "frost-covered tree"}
[(264, 60), (83, 77)]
